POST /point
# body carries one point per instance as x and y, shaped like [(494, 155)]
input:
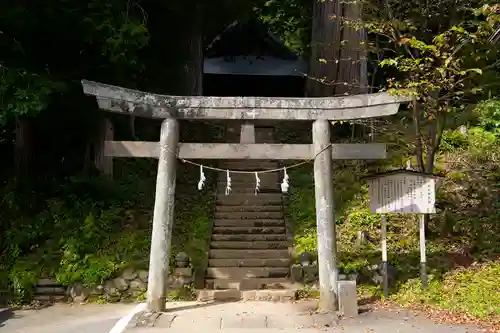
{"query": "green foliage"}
[(75, 234), (453, 140), (489, 115), (471, 291), (23, 93), (186, 293), (306, 292), (290, 20)]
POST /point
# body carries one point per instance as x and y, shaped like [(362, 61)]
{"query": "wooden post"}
[(384, 256), (423, 260), (163, 217), (323, 183)]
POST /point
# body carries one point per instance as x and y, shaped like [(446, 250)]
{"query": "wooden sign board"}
[(404, 192)]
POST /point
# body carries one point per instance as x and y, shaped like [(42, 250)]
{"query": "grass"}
[(474, 291)]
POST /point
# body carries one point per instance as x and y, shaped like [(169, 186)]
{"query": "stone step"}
[(249, 254), (248, 230), (248, 245), (246, 272), (248, 188), (50, 290), (238, 199), (249, 237), (249, 223), (249, 263), (248, 208), (249, 284), (278, 295), (46, 298), (249, 215)]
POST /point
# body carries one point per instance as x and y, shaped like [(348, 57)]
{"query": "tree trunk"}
[(23, 148), (419, 147), (103, 163), (325, 48), (353, 73), (193, 47)]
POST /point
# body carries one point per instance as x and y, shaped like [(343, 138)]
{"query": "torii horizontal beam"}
[(365, 151), (138, 103)]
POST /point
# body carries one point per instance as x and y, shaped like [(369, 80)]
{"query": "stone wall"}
[(131, 284)]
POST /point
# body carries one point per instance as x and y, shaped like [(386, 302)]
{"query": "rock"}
[(352, 277), (143, 275), (121, 284), (78, 293), (373, 274), (129, 274), (177, 282), (137, 284), (110, 289), (98, 290)]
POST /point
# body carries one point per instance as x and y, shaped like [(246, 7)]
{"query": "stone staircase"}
[(248, 249)]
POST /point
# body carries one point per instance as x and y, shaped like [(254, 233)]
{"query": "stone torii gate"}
[(171, 108)]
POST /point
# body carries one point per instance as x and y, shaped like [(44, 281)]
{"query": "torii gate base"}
[(169, 108), (163, 217)]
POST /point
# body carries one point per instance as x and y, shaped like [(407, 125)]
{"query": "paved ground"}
[(299, 317), (187, 317), (64, 318)]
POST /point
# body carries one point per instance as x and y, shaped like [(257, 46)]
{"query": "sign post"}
[(384, 255), (402, 192)]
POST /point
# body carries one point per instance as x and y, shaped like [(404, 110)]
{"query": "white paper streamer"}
[(201, 183), (228, 183), (284, 183), (257, 183)]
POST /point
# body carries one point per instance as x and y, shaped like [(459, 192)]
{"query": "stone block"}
[(310, 274), (249, 295), (296, 273), (46, 282), (183, 271), (219, 295), (199, 278), (348, 299)]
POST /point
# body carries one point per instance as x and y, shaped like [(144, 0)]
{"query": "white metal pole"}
[(384, 255), (423, 259)]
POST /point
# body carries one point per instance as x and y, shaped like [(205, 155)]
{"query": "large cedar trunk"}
[(325, 48), (353, 69), (193, 50), (23, 148), (103, 163)]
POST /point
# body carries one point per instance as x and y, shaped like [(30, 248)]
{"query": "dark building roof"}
[(251, 49)]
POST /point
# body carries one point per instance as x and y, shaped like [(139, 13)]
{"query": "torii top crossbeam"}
[(143, 104)]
